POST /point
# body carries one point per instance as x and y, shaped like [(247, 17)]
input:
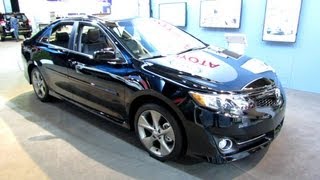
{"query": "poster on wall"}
[(220, 13), (144, 8), (173, 13), (281, 20)]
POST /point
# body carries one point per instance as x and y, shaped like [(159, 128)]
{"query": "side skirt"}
[(95, 112)]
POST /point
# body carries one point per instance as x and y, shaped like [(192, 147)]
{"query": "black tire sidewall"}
[(176, 153), (46, 96)]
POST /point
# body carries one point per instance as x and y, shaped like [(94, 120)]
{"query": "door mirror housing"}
[(104, 55), (107, 56)]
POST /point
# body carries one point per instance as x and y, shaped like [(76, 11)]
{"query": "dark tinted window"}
[(20, 17)]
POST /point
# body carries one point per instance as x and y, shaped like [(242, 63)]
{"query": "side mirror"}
[(108, 57), (104, 55)]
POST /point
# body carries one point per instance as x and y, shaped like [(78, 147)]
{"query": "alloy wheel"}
[(39, 85), (156, 133)]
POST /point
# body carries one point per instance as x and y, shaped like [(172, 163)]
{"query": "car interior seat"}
[(93, 42), (62, 39)]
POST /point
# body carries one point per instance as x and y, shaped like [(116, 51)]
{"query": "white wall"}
[(1, 7), (7, 6), (124, 8), (119, 9)]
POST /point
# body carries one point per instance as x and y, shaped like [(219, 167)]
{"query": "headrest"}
[(62, 36), (93, 35)]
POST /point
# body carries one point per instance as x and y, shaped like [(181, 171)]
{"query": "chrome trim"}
[(250, 140), (245, 86)]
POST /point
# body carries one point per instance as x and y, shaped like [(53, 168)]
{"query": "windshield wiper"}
[(191, 49), (154, 57)]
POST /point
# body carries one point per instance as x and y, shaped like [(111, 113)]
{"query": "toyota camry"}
[(180, 95)]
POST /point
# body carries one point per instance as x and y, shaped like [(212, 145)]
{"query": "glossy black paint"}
[(115, 90)]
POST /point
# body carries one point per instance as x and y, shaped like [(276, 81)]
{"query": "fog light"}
[(225, 144)]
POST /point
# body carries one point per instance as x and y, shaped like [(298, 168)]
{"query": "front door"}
[(96, 84)]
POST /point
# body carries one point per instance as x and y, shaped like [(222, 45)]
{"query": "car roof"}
[(89, 18)]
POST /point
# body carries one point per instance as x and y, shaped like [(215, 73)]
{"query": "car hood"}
[(211, 68)]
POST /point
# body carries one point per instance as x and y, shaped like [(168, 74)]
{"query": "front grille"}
[(266, 102), (263, 96)]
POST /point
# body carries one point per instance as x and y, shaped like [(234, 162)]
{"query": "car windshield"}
[(150, 38)]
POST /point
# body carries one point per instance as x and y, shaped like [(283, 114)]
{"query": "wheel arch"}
[(154, 97), (29, 70)]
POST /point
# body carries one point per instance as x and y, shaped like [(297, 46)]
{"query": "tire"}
[(27, 36), (3, 38), (159, 132), (40, 86)]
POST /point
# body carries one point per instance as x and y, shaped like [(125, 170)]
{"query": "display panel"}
[(220, 13), (281, 20), (173, 13)]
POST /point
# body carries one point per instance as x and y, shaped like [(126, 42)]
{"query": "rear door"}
[(52, 57)]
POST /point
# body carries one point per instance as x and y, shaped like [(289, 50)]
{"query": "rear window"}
[(20, 17)]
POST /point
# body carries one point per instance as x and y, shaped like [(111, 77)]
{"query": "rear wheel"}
[(159, 132), (39, 85)]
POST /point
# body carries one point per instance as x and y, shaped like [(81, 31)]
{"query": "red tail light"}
[(2, 23)]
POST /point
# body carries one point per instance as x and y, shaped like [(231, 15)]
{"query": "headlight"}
[(229, 105)]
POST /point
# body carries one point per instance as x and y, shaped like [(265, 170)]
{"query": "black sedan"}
[(179, 94)]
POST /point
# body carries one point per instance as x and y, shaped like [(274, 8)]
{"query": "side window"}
[(91, 39), (59, 36)]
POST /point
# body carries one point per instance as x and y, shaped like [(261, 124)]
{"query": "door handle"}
[(60, 50), (79, 68), (72, 63)]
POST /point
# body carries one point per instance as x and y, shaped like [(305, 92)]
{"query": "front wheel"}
[(159, 132), (39, 85)]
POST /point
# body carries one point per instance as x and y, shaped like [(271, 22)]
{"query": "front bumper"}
[(21, 32), (250, 146), (25, 31), (248, 134)]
